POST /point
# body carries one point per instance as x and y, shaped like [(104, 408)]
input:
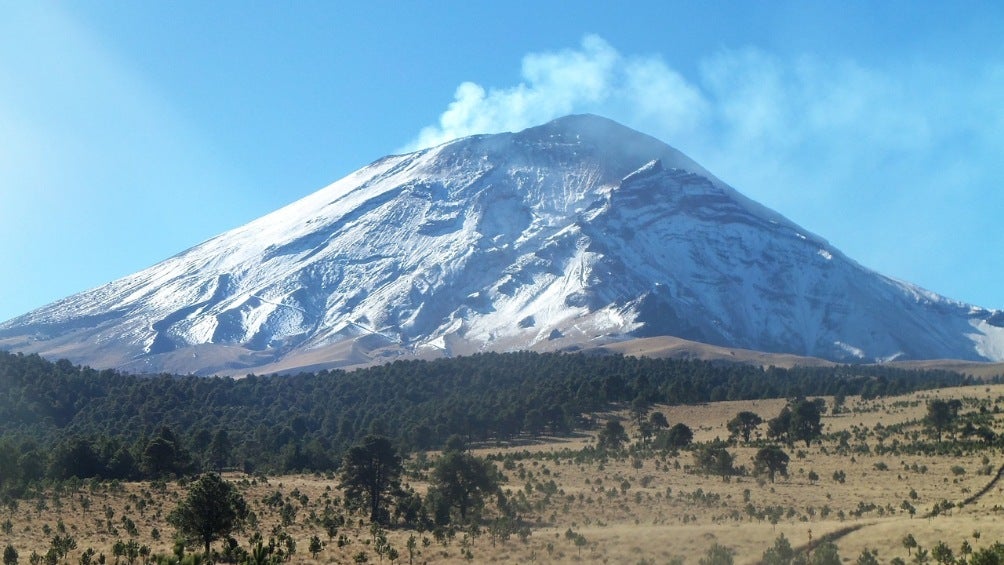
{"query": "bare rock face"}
[(575, 233)]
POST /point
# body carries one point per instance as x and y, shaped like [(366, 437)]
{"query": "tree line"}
[(58, 420)]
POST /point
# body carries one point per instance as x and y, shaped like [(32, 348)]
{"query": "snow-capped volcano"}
[(579, 231)]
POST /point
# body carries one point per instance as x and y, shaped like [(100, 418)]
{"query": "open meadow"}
[(875, 477)]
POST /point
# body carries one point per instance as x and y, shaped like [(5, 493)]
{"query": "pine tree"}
[(370, 471), (212, 509)]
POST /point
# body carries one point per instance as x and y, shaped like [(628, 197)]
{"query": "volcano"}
[(576, 233)]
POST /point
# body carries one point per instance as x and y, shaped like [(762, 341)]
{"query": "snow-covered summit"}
[(579, 231)]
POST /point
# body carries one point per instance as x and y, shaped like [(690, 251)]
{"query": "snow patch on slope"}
[(854, 351), (989, 340)]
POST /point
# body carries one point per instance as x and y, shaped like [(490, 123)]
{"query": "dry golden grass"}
[(651, 508)]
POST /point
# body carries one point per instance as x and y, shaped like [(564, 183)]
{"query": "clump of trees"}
[(212, 510), (771, 460), (744, 424), (715, 460), (612, 436), (460, 485), (826, 553), (800, 420), (676, 437), (941, 415), (370, 473)]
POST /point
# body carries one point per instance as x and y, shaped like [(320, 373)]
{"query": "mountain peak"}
[(579, 231), (586, 125)]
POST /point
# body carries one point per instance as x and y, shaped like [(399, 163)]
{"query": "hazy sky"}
[(130, 131)]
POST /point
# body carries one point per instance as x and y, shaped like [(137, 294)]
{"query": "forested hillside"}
[(58, 420)]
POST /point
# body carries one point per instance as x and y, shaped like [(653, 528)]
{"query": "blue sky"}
[(130, 131)]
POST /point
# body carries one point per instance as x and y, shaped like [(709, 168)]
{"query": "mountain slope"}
[(574, 233)]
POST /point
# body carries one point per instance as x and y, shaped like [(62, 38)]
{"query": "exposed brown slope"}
[(673, 347)]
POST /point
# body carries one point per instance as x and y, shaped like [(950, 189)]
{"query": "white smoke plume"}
[(595, 77)]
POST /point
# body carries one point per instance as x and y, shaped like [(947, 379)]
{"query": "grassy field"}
[(641, 506)]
